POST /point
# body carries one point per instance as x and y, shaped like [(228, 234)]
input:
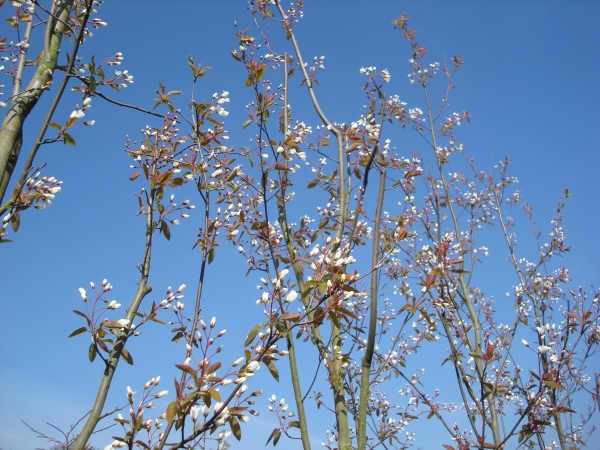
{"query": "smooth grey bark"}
[(11, 133)]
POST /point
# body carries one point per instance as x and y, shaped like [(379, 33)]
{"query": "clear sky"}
[(530, 81)]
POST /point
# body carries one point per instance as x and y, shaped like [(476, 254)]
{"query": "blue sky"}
[(529, 81)]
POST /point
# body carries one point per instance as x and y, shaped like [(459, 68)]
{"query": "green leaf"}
[(79, 313), (78, 331), (164, 228), (276, 430), (186, 369), (127, 356), (334, 319), (92, 352), (283, 331), (233, 174), (160, 192), (252, 334), (211, 255), (54, 125), (553, 384), (68, 139), (246, 123), (272, 369), (170, 414), (235, 428), (293, 317), (92, 84), (174, 93), (312, 184), (15, 221), (276, 438), (214, 367), (215, 394)]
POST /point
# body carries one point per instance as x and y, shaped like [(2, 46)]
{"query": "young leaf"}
[(214, 367), (171, 411), (92, 86), (127, 356), (15, 221), (271, 435), (92, 352), (78, 331), (553, 384), (235, 428), (252, 334), (293, 317), (164, 228), (68, 139), (272, 368), (215, 394)]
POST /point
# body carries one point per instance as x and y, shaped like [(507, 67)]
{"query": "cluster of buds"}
[(78, 113), (96, 22), (35, 192), (171, 296), (115, 60)]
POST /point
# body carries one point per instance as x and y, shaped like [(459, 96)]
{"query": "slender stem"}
[(115, 354), (23, 55), (366, 176), (115, 102), (334, 365), (59, 93), (303, 425), (464, 290), (338, 134), (372, 331), (560, 431)]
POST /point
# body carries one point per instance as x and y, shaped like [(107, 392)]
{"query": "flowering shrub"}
[(367, 278)]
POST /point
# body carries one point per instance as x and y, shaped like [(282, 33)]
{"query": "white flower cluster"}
[(368, 123), (419, 75), (80, 112), (372, 73), (220, 100), (279, 289), (126, 76)]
